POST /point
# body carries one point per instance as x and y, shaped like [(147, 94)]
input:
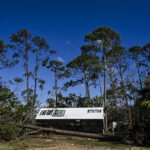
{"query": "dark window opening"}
[(94, 111), (49, 112), (58, 113), (43, 112)]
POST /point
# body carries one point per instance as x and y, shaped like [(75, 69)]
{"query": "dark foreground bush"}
[(141, 134)]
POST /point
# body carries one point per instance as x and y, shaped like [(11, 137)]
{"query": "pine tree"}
[(22, 45), (104, 39)]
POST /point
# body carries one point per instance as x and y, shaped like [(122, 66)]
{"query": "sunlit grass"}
[(63, 142)]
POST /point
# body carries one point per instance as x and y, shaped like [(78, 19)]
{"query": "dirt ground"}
[(60, 142)]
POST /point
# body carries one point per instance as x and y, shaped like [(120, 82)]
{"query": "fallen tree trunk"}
[(65, 132)]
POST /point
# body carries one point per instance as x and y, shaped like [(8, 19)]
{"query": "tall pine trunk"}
[(141, 87), (126, 99), (36, 74), (105, 96), (138, 69), (27, 74), (56, 88), (113, 87), (100, 84), (86, 85)]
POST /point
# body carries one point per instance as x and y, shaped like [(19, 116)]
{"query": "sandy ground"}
[(75, 143), (60, 142), (83, 148)]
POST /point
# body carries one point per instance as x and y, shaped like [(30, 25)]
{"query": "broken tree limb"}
[(28, 133)]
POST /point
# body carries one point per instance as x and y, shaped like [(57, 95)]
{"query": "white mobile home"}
[(82, 119)]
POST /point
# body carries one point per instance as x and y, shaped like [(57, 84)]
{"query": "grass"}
[(61, 142)]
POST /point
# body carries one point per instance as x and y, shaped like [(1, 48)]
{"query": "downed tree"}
[(39, 129), (65, 132)]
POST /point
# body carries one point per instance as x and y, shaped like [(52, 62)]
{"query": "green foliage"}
[(2, 52), (144, 96), (59, 71), (21, 36), (8, 132), (41, 82), (6, 60), (72, 100), (146, 50), (83, 62), (104, 37), (56, 67), (72, 83), (145, 104), (18, 80), (86, 49), (96, 102), (11, 113), (40, 43), (84, 67), (50, 102)]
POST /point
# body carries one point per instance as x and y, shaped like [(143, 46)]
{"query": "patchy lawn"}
[(60, 142)]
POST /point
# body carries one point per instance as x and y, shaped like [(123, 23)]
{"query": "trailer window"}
[(97, 111), (94, 111), (49, 112), (58, 113), (43, 112)]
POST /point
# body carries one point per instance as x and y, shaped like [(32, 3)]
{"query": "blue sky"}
[(64, 23)]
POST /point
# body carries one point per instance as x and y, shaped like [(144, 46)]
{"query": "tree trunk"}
[(105, 96), (126, 99), (141, 87), (113, 87), (65, 132), (138, 69), (100, 84), (86, 85), (27, 75), (56, 88), (36, 72)]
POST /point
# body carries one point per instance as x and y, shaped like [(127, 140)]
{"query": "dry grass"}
[(60, 142)]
